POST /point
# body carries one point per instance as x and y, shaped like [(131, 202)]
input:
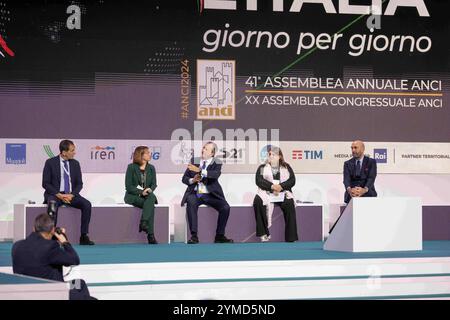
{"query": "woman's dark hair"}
[(277, 151), (138, 153), (65, 145), (43, 223)]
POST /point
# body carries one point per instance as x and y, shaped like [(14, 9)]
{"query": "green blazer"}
[(133, 179)]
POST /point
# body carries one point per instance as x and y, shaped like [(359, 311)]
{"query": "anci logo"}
[(103, 153), (380, 155), (16, 153), (216, 89)]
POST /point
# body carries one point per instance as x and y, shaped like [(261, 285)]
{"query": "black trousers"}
[(192, 204), (77, 202), (79, 291), (288, 208), (147, 204)]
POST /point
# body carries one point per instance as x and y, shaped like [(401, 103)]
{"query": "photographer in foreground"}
[(44, 253)]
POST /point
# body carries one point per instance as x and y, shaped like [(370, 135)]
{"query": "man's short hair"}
[(65, 145), (43, 223), (214, 145)]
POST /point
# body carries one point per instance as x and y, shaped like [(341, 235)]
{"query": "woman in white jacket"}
[(275, 180)]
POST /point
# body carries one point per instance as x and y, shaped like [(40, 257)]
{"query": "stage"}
[(258, 271)]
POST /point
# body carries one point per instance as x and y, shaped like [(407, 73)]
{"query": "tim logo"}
[(103, 153), (380, 155), (16, 153), (216, 89), (4, 49), (307, 155)]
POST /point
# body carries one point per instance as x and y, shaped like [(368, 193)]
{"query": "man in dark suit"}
[(63, 182), (43, 254), (201, 177), (360, 173)]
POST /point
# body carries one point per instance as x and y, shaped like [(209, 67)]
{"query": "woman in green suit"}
[(140, 184)]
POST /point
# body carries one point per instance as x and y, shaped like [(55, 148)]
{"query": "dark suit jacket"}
[(51, 177), (133, 179), (211, 181), (366, 179), (42, 258)]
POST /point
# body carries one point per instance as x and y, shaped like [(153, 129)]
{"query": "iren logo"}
[(5, 48), (103, 153)]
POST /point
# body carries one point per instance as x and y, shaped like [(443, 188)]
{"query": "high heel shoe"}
[(151, 239)]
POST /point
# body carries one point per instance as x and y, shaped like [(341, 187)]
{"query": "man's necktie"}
[(66, 177), (199, 193), (358, 168)]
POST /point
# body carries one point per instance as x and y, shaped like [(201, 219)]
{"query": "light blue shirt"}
[(61, 185)]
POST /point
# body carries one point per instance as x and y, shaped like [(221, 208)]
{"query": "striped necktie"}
[(66, 177)]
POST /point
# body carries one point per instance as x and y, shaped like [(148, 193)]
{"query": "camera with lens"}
[(59, 231), (52, 209)]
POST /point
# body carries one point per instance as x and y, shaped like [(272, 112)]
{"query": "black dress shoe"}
[(151, 239), (193, 240), (85, 241), (143, 227), (222, 239)]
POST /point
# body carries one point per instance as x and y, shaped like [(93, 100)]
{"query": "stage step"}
[(259, 289), (310, 279), (213, 270), (393, 278), (281, 271)]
